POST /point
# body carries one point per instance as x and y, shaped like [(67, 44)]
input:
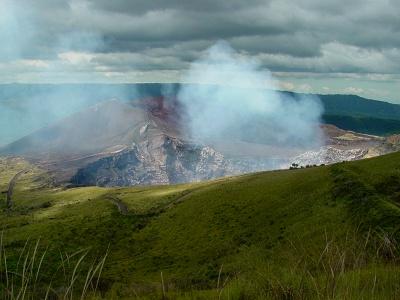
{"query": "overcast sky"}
[(341, 46)]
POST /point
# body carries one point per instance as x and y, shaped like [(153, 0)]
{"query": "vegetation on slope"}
[(368, 125), (324, 233)]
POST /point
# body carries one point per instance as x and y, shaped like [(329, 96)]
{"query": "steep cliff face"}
[(159, 160)]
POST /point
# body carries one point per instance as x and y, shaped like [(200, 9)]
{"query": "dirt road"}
[(122, 208), (11, 186)]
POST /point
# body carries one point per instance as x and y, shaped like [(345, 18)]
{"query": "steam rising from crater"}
[(26, 108), (232, 94)]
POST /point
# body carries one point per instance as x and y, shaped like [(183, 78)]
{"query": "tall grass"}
[(25, 277), (356, 266), (352, 267)]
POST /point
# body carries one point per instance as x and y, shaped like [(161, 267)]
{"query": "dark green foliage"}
[(362, 124), (352, 105), (367, 206)]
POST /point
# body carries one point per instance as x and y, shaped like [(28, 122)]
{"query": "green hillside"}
[(352, 105), (362, 124), (317, 233)]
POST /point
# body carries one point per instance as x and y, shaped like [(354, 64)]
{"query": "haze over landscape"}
[(199, 149)]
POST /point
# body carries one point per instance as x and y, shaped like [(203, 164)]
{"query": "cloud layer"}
[(124, 41)]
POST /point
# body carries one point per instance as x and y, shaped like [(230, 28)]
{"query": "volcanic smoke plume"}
[(232, 95)]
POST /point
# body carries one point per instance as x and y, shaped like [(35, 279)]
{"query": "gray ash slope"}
[(120, 144), (28, 107), (117, 144), (161, 160)]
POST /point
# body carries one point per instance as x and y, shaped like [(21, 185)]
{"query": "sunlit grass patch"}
[(141, 200), (270, 235), (60, 201)]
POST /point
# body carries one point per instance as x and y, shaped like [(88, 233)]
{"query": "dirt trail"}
[(122, 208), (11, 186), (186, 194)]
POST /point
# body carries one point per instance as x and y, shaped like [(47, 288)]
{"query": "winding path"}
[(11, 186), (122, 208), (186, 194)]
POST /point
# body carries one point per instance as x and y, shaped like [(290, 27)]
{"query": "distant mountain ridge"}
[(25, 108), (353, 105), (146, 142)]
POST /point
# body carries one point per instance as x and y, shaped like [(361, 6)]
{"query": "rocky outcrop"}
[(328, 155), (159, 160)]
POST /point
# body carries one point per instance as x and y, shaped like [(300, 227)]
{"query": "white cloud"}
[(336, 57), (76, 58), (286, 86), (353, 90)]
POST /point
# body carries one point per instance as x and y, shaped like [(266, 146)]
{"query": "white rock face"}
[(159, 160), (143, 129), (328, 155)]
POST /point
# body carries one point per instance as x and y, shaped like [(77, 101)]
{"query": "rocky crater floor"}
[(120, 144)]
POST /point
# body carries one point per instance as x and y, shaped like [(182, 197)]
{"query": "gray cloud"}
[(137, 36)]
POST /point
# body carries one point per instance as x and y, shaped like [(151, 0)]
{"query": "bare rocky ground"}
[(118, 144), (341, 145), (11, 186)]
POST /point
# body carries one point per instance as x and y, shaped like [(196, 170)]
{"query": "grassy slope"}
[(268, 230), (364, 124)]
